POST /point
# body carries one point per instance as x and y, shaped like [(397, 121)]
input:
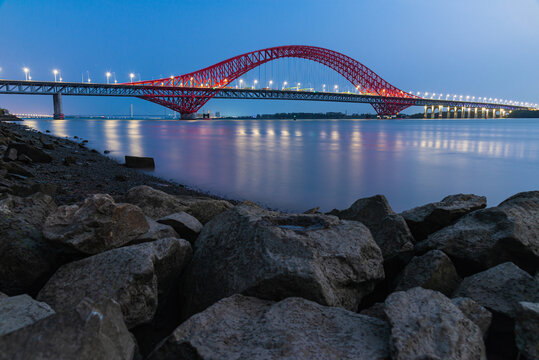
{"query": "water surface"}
[(297, 165)]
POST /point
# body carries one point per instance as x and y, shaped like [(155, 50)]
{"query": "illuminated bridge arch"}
[(191, 95)]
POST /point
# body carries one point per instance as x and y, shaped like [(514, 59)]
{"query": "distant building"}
[(217, 114)]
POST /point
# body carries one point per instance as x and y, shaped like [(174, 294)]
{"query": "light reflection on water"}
[(296, 165)]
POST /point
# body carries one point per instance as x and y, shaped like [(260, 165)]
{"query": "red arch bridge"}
[(187, 93)]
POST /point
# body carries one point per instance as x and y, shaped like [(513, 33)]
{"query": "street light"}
[(284, 85), (241, 82), (336, 87), (108, 74), (26, 71), (271, 83), (55, 72), (131, 76), (254, 85), (324, 87), (298, 86)]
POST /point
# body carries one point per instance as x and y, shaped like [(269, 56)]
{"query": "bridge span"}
[(187, 93), (433, 107)]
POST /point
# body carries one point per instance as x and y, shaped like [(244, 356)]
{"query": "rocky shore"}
[(98, 261)]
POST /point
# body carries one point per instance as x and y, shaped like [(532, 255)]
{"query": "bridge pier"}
[(57, 105), (425, 116), (432, 112)]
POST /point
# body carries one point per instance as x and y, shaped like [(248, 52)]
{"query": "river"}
[(296, 165)]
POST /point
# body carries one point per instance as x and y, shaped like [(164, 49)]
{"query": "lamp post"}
[(26, 71), (254, 84), (55, 72), (284, 85), (108, 74), (241, 83), (297, 89), (131, 76), (270, 84)]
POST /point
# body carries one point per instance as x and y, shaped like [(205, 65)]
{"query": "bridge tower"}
[(57, 104)]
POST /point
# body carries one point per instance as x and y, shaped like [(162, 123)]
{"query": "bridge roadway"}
[(141, 91)]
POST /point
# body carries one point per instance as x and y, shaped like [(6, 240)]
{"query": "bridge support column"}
[(432, 112), (475, 113), (57, 105), (424, 117), (441, 111), (455, 113), (502, 113), (486, 113), (448, 112)]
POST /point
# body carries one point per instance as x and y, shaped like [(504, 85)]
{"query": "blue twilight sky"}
[(469, 47)]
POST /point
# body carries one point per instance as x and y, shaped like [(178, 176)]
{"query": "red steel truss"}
[(189, 100)]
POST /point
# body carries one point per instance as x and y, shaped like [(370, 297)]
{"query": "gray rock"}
[(155, 203), (157, 231), (187, 226), (487, 237), (433, 270), (2, 295), (206, 209), (19, 311), (271, 255), (26, 260), (377, 310), (426, 219), (97, 225), (89, 331), (134, 276), (426, 325), (36, 154), (139, 162), (242, 327), (527, 329), (388, 229), (500, 288), (475, 312)]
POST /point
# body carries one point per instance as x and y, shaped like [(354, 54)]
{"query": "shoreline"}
[(77, 171)]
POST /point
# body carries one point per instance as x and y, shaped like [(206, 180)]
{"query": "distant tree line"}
[(524, 114)]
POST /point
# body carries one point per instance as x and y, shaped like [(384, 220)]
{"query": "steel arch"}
[(188, 101)]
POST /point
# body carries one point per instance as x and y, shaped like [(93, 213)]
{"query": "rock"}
[(69, 160), (500, 288), (388, 229), (488, 237), (155, 203), (37, 155), (11, 154), (20, 311), (32, 188), (433, 270), (206, 209), (97, 225), (314, 210), (241, 327), (2, 295), (48, 146), (187, 226), (14, 168), (25, 159), (106, 152), (26, 259), (377, 310), (157, 231), (426, 325), (139, 162), (89, 331), (271, 255), (527, 329), (475, 312), (133, 276), (426, 219)]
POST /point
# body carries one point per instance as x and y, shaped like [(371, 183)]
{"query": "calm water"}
[(296, 165)]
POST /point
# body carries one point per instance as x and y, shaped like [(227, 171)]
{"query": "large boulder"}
[(134, 276), (388, 229), (527, 329), (475, 312), (271, 255), (241, 327), (19, 311), (206, 209), (34, 153), (155, 203), (433, 270), (96, 225), (187, 226), (487, 237), (155, 232), (26, 259), (88, 331), (427, 325), (426, 219), (500, 288)]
